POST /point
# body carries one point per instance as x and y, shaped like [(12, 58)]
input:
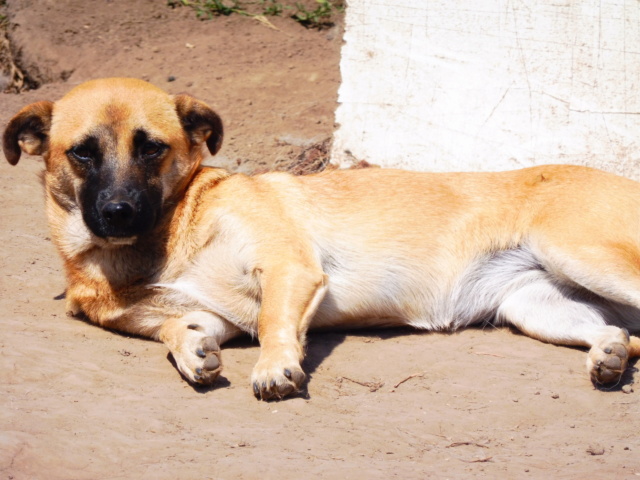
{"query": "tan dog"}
[(155, 245)]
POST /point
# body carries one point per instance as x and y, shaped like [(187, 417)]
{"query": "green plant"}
[(272, 8), (214, 8), (318, 18), (207, 9)]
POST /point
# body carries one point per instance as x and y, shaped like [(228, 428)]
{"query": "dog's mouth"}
[(117, 233), (113, 242), (117, 241)]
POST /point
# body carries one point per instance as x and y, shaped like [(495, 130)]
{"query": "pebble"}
[(595, 450), (627, 389)]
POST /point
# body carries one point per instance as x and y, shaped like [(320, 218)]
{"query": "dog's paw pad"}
[(607, 364), (297, 376)]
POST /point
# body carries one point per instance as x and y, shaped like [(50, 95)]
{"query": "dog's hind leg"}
[(608, 266), (558, 314), (589, 297)]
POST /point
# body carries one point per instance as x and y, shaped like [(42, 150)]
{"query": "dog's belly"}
[(409, 292), (376, 297)]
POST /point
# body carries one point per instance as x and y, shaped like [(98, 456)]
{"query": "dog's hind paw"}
[(608, 360)]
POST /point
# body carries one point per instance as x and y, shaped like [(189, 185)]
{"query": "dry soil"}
[(79, 402)]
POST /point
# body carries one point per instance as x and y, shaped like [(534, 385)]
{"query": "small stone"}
[(595, 450), (555, 396), (171, 78), (627, 389)]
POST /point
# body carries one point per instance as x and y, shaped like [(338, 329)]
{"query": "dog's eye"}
[(81, 153), (151, 150)]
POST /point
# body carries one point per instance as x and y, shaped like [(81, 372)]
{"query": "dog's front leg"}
[(194, 341), (290, 297)]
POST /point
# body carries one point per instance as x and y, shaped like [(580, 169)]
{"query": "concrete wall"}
[(490, 84)]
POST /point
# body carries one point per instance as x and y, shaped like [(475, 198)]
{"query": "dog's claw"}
[(287, 373), (200, 353)]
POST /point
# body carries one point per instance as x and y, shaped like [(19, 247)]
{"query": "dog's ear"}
[(200, 122), (28, 131)]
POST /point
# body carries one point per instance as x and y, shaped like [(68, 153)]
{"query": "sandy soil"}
[(79, 402)]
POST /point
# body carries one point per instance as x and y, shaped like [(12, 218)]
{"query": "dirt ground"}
[(79, 402)]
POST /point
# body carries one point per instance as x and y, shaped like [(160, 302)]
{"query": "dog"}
[(154, 244)]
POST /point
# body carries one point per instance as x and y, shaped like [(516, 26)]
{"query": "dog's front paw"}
[(198, 358), (275, 379), (608, 360)]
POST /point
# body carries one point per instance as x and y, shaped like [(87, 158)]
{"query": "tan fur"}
[(552, 250)]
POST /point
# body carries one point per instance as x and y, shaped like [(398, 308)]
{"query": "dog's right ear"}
[(28, 131)]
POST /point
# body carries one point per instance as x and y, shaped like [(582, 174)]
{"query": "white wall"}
[(490, 84)]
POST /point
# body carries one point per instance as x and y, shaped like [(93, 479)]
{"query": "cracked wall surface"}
[(493, 85)]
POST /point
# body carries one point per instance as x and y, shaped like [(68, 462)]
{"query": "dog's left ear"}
[(200, 122), (28, 131)]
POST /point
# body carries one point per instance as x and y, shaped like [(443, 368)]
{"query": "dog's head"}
[(117, 150)]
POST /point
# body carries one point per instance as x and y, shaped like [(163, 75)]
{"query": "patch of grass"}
[(318, 17), (272, 8), (207, 9)]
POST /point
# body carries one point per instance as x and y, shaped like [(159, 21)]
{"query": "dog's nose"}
[(118, 213)]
